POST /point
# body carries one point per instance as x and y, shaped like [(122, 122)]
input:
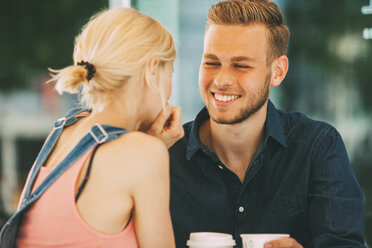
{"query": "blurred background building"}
[(330, 75)]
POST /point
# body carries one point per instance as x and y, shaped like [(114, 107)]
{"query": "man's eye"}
[(212, 63), (241, 66)]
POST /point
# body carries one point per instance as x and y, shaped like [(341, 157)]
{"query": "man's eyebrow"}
[(242, 58), (210, 56), (233, 59)]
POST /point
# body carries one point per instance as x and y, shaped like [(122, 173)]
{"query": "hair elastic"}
[(89, 67)]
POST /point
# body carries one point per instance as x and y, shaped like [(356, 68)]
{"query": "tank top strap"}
[(87, 173)]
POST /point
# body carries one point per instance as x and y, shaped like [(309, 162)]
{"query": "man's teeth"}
[(225, 98)]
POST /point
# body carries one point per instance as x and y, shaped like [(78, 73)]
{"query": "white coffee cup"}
[(210, 240), (258, 240)]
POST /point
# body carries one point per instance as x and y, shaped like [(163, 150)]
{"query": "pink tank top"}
[(54, 221)]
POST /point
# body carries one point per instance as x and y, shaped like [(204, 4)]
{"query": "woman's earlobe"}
[(152, 72), (153, 64)]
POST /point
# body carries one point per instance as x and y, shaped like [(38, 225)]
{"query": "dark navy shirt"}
[(299, 182)]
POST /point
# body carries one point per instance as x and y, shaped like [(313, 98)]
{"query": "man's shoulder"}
[(297, 124), (311, 138)]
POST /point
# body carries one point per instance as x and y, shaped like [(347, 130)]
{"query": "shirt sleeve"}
[(335, 201)]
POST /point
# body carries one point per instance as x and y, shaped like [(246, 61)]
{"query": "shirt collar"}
[(274, 126), (194, 143), (274, 129)]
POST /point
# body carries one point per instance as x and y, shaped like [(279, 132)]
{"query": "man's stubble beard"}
[(255, 105)]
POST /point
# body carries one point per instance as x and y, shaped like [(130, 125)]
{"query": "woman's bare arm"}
[(150, 192)]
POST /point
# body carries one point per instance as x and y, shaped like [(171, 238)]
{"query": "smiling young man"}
[(245, 167)]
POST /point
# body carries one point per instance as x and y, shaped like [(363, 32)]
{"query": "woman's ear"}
[(279, 69), (153, 69)]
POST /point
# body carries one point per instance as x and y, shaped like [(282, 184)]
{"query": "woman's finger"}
[(158, 125)]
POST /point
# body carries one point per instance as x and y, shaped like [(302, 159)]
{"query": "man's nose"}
[(224, 78)]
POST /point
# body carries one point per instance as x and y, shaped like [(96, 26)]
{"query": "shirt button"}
[(220, 166), (241, 209)]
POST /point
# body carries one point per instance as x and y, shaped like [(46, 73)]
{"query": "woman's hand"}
[(283, 243), (167, 126)]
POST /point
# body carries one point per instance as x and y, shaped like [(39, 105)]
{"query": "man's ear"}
[(279, 70)]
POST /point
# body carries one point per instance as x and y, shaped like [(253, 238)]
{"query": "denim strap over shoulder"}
[(98, 134), (49, 144)]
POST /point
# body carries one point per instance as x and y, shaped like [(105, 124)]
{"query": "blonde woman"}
[(115, 193)]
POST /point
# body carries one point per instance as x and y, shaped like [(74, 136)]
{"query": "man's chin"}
[(221, 117), (231, 119), (226, 120)]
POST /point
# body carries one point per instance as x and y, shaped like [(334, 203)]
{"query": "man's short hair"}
[(247, 12)]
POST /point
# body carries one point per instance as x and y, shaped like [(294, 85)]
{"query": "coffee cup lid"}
[(210, 239), (261, 235)]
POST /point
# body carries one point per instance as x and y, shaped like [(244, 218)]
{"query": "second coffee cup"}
[(258, 240)]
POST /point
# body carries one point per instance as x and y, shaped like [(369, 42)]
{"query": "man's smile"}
[(225, 97)]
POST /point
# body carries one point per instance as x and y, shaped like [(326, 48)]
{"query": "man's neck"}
[(235, 144)]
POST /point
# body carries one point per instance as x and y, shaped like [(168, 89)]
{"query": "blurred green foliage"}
[(35, 35), (327, 35), (329, 58)]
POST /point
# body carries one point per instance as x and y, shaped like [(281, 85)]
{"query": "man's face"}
[(234, 78)]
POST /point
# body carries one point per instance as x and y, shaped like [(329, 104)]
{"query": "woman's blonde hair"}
[(118, 43)]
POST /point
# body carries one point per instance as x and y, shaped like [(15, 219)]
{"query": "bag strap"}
[(98, 134)]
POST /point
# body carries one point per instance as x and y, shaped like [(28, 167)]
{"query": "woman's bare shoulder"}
[(141, 143), (137, 152)]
